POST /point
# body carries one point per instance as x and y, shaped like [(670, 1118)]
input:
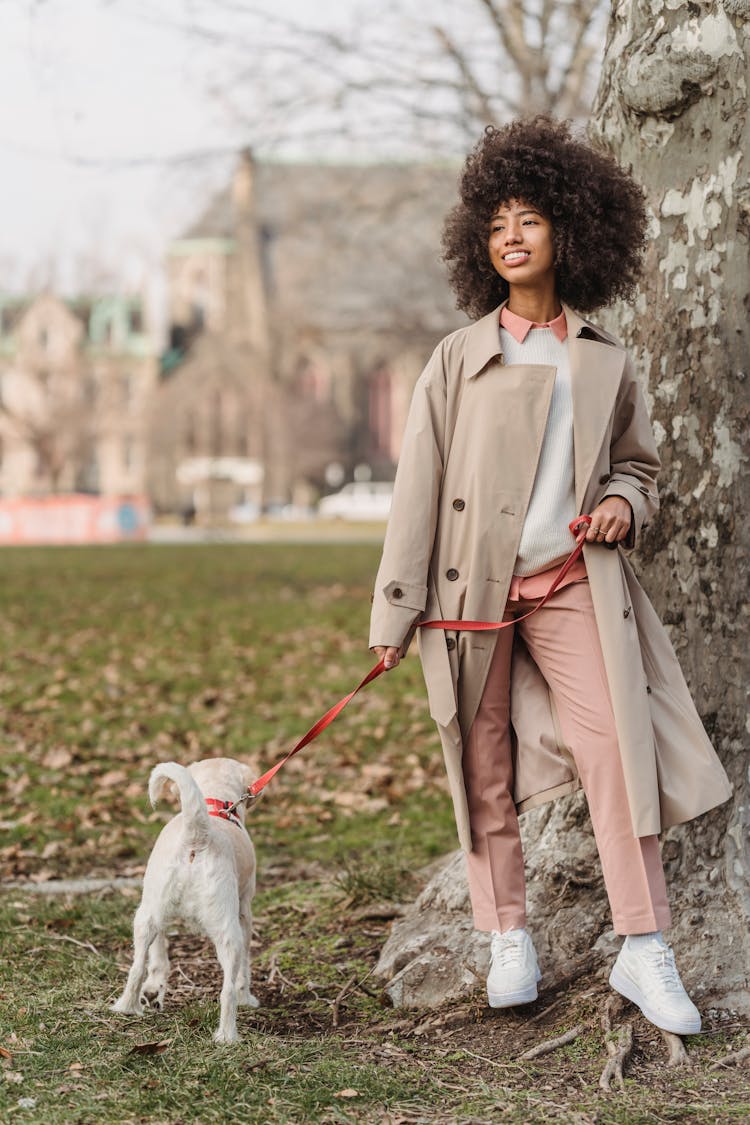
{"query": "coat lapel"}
[(595, 373)]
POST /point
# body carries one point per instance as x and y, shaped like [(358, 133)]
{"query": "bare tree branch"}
[(453, 52)]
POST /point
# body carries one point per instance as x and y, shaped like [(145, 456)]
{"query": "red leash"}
[(578, 527), (324, 721), (481, 626)]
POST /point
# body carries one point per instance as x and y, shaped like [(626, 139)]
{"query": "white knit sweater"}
[(545, 536)]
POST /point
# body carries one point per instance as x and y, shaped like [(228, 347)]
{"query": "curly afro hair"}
[(597, 212)]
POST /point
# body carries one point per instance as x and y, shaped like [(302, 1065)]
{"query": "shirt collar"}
[(483, 338), (519, 327)]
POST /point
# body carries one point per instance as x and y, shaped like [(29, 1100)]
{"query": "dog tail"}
[(194, 812)]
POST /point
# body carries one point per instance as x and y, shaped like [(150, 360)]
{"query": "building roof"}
[(349, 245)]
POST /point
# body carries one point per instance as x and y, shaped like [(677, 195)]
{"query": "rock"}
[(434, 954)]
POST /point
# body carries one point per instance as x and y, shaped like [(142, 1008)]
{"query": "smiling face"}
[(520, 245)]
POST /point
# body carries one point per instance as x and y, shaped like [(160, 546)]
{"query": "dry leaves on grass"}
[(156, 1048), (130, 659)]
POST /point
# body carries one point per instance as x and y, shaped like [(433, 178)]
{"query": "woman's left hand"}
[(610, 521)]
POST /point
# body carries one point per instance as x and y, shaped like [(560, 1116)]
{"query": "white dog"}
[(202, 871)]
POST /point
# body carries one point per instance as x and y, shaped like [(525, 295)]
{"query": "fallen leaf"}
[(150, 1048), (57, 758), (112, 778), (5, 1053), (348, 1093)]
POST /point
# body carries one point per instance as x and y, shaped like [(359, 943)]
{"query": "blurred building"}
[(76, 383), (303, 305)]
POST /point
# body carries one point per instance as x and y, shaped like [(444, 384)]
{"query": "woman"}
[(519, 423)]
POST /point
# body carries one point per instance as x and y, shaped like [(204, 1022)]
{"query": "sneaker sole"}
[(510, 999), (627, 988)]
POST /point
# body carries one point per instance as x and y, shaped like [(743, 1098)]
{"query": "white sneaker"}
[(514, 971), (648, 976)]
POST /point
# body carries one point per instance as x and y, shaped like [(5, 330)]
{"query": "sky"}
[(110, 136), (119, 119)]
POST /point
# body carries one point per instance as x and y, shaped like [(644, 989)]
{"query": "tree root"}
[(618, 1049), (552, 1044), (678, 1056), (733, 1059), (351, 984)]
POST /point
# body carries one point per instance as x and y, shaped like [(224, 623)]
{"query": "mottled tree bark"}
[(672, 105)]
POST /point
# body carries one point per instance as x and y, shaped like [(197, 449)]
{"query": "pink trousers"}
[(563, 641)]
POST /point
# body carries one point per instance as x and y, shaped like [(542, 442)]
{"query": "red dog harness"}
[(223, 809)]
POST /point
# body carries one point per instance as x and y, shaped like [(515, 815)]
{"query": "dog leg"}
[(152, 993), (245, 996), (229, 952), (144, 933)]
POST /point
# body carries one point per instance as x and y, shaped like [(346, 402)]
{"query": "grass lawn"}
[(116, 658)]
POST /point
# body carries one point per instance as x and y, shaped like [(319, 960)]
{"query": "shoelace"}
[(666, 969), (507, 950)]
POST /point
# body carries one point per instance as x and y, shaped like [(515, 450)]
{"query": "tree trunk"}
[(672, 105)]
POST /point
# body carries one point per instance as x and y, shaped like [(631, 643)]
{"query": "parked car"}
[(358, 500)]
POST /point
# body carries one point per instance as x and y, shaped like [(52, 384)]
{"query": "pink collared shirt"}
[(519, 327)]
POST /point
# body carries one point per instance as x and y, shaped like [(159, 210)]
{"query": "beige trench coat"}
[(464, 479)]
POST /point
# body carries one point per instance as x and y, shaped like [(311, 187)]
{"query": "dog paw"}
[(229, 1036), (124, 1008), (152, 998), (249, 1001)]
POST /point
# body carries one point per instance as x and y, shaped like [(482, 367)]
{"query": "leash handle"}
[(579, 526)]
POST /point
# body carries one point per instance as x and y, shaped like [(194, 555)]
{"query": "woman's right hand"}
[(390, 656)]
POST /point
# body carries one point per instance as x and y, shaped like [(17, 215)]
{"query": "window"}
[(313, 381), (198, 317), (127, 385), (191, 438), (198, 301), (379, 410), (128, 453), (87, 477), (90, 390), (217, 424)]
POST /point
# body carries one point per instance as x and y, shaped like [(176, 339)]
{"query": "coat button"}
[(398, 592), (459, 505), (604, 479), (626, 612), (451, 574), (450, 643), (648, 689)]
